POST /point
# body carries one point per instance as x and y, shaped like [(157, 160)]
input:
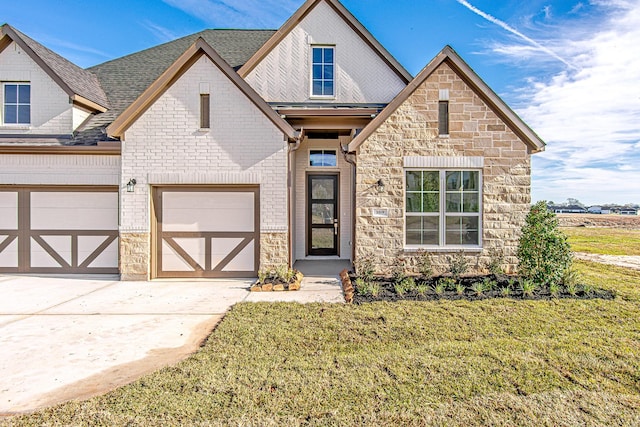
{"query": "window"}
[(443, 112), (326, 158), (17, 103), (323, 71), (443, 117), (205, 108), (442, 208)]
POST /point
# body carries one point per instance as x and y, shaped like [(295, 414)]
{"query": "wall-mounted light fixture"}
[(380, 186), (131, 185)]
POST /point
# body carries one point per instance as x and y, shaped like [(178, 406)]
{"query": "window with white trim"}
[(442, 208), (323, 71), (16, 103)]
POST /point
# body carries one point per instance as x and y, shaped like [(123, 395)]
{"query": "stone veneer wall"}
[(475, 130), (274, 250), (135, 256)]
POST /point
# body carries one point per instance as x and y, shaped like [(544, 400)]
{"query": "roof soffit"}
[(199, 48), (347, 16), (466, 73)]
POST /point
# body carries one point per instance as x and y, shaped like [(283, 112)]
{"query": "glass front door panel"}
[(322, 215)]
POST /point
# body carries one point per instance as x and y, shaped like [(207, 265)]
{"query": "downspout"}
[(293, 146), (352, 161)]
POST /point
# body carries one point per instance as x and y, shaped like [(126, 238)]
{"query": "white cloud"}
[(589, 117), (161, 33), (234, 14)]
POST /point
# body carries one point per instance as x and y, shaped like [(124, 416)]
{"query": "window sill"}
[(14, 127), (442, 249), (445, 135), (323, 98)]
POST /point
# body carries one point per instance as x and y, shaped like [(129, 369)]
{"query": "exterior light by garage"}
[(131, 185), (380, 186)]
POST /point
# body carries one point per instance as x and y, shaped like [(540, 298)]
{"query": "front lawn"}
[(505, 362)]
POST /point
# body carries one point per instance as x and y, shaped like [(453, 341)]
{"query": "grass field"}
[(606, 241), (496, 362)]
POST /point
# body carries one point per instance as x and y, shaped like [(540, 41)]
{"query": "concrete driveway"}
[(67, 338)]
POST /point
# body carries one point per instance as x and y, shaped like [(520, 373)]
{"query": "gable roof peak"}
[(198, 48), (81, 85), (347, 16), (465, 72)]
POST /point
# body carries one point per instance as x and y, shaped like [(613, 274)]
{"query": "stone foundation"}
[(412, 131), (274, 250), (135, 256)]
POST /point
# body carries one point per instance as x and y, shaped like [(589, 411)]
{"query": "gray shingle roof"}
[(124, 79), (79, 81)]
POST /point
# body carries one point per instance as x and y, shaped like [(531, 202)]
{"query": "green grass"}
[(606, 241), (497, 362)]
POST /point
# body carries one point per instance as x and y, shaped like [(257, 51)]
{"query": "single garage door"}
[(206, 231), (59, 230)]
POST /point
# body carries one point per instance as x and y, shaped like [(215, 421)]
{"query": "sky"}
[(569, 68)]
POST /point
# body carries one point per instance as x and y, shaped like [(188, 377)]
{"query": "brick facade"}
[(166, 146), (412, 130)]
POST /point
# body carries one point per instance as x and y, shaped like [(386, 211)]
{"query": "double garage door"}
[(206, 231), (59, 230)]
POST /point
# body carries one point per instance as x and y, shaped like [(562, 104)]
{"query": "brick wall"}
[(25, 169), (166, 146), (412, 131), (361, 76)]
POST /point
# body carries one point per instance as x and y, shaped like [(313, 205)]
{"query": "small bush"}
[(505, 291), (439, 287), (448, 282), (496, 260), (408, 284), (528, 287), (458, 265), (489, 284), (478, 288), (398, 271), (422, 289), (262, 276), (460, 288), (554, 289), (425, 266), (543, 251), (365, 268)]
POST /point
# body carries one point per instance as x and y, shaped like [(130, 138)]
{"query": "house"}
[(559, 209), (228, 151), (599, 210), (628, 211)]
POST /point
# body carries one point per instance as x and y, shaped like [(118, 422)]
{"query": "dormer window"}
[(16, 103), (323, 71)]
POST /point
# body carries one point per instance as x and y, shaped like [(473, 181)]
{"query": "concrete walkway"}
[(68, 338)]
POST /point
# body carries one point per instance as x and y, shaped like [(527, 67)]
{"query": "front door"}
[(322, 214)]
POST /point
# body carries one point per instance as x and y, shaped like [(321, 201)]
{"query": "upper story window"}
[(443, 208), (323, 71), (323, 158), (443, 112), (16, 104)]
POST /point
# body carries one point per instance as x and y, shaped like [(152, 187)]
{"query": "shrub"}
[(543, 251), (528, 287), (365, 268), (505, 291), (398, 272), (439, 287), (262, 276), (449, 283), (407, 284), (458, 265), (425, 266), (478, 288), (496, 259), (422, 289), (554, 289), (460, 288)]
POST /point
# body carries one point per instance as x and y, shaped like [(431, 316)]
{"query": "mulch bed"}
[(387, 290)]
